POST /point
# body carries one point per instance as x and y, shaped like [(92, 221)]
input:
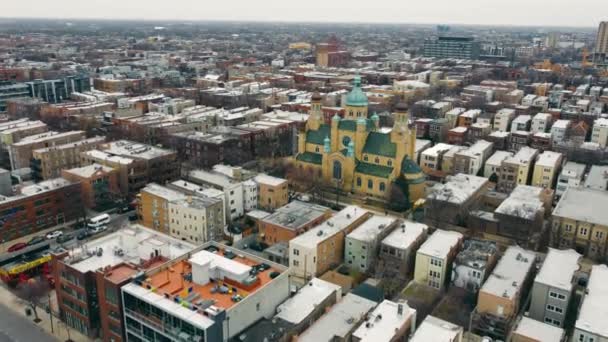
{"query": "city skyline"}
[(471, 12)]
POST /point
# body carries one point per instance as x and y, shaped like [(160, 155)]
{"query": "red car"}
[(17, 246)]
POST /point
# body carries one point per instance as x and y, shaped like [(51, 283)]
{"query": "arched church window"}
[(370, 184), (389, 163), (359, 181), (337, 170), (382, 186)]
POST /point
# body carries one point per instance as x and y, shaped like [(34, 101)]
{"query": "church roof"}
[(380, 144), (351, 125), (310, 157), (409, 166), (373, 169), (318, 137), (356, 97)]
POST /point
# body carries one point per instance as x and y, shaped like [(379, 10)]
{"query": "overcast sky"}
[(501, 12)]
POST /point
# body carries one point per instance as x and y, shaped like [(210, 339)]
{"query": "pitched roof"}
[(380, 144), (409, 166), (310, 157), (373, 169), (318, 136)]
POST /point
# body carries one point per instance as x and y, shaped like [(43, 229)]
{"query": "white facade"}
[(430, 158), (558, 131), (250, 195), (493, 163), (540, 122), (503, 118), (599, 135), (591, 323), (571, 175), (521, 123)]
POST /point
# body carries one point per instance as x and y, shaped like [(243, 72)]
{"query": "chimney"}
[(400, 309)]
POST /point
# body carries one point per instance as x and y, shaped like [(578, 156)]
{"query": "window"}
[(377, 160), (583, 231), (568, 227), (389, 163), (296, 263), (359, 181), (370, 184), (365, 157), (337, 170), (317, 149), (382, 186), (296, 252), (557, 295), (599, 235)]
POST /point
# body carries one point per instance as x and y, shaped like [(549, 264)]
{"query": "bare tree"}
[(33, 291)]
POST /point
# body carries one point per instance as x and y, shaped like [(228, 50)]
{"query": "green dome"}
[(375, 117), (336, 117), (356, 97), (408, 166), (361, 121)]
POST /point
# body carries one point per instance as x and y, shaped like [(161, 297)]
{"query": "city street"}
[(16, 328)]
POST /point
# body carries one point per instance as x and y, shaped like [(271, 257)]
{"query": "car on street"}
[(65, 238), (83, 235), (54, 234), (133, 218), (17, 246), (36, 240)]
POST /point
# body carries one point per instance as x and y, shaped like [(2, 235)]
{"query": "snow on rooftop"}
[(524, 202), (499, 134), (563, 124), (510, 273), (524, 156), (163, 192), (459, 129), (548, 159), (384, 322), (440, 243), (369, 230), (406, 234), (436, 330), (584, 205), (333, 225), (593, 314), (438, 148), (44, 186), (558, 269), (134, 149), (339, 320), (538, 331), (309, 296), (601, 122), (269, 180), (498, 157), (89, 170), (458, 188), (456, 111)]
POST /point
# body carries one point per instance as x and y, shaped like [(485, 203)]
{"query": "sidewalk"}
[(59, 328)]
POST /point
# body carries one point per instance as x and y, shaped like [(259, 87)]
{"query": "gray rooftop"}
[(585, 205), (296, 214)]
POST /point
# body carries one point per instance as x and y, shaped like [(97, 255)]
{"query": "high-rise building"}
[(601, 43), (452, 47)]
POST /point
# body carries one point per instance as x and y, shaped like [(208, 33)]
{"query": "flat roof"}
[(163, 192), (134, 244), (44, 186), (404, 235), (458, 188), (438, 148), (133, 149), (561, 124), (585, 205), (369, 230), (548, 159), (440, 243), (436, 330), (524, 156), (538, 331), (339, 320), (305, 301), (50, 135), (510, 273), (498, 157), (92, 140), (524, 202), (296, 214), (89, 170), (597, 178), (215, 178), (101, 155), (333, 225), (269, 180), (559, 268), (384, 322), (593, 314)]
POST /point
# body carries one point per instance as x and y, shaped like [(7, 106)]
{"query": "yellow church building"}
[(355, 154)]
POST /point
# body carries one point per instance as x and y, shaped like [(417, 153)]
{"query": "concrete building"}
[(559, 131), (530, 330), (431, 158), (49, 161), (296, 314), (473, 264), (516, 170), (212, 294), (521, 123), (470, 161), (21, 152), (452, 116), (546, 169), (233, 190), (434, 258), (38, 207), (580, 221), (494, 163), (89, 278), (317, 250), (571, 176), (437, 330), (521, 215), (6, 187), (13, 131), (340, 322), (601, 42), (468, 118), (361, 245), (599, 134), (291, 220), (451, 202), (591, 323), (503, 119), (273, 192), (541, 123), (502, 294), (99, 184), (554, 286), (597, 178), (197, 219), (389, 321), (397, 254), (153, 206), (451, 47)]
